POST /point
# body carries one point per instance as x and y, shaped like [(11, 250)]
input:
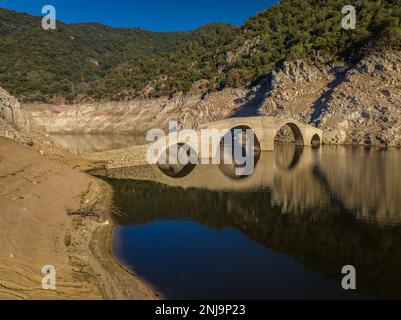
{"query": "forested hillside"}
[(94, 62)]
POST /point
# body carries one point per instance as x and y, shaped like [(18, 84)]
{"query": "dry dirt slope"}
[(34, 196)]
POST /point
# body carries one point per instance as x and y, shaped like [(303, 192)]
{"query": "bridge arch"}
[(294, 129), (316, 140), (243, 128)]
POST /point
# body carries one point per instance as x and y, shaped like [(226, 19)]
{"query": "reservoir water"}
[(286, 231), (91, 142)]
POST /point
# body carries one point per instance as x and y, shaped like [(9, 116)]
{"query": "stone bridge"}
[(289, 162), (265, 130)]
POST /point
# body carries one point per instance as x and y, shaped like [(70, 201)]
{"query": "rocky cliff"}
[(354, 104), (365, 108), (12, 119), (10, 110)]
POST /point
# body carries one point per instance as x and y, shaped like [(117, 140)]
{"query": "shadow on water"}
[(284, 232)]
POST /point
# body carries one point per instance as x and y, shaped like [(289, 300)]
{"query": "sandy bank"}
[(35, 230)]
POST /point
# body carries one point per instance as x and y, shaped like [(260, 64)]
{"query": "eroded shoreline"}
[(114, 276)]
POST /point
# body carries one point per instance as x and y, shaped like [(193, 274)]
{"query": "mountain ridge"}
[(94, 62)]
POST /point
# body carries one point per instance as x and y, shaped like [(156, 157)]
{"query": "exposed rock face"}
[(11, 118), (213, 107), (34, 196), (295, 88), (19, 126), (10, 110), (359, 104), (137, 115), (366, 107)]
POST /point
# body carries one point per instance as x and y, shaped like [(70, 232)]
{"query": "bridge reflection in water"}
[(326, 207)]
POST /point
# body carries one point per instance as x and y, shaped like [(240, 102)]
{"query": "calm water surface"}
[(284, 232), (90, 143)]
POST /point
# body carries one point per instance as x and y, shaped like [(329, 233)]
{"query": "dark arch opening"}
[(287, 156), (177, 170), (289, 133), (237, 138), (316, 141)]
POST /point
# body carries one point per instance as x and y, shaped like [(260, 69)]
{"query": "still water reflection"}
[(284, 232), (90, 143)]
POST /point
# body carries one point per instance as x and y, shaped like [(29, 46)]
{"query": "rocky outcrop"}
[(12, 118), (10, 110), (295, 88), (365, 108), (213, 107), (19, 126), (355, 104)]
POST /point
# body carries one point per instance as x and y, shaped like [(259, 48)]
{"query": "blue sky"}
[(156, 15)]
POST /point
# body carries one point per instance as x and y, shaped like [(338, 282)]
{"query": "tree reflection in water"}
[(326, 208)]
